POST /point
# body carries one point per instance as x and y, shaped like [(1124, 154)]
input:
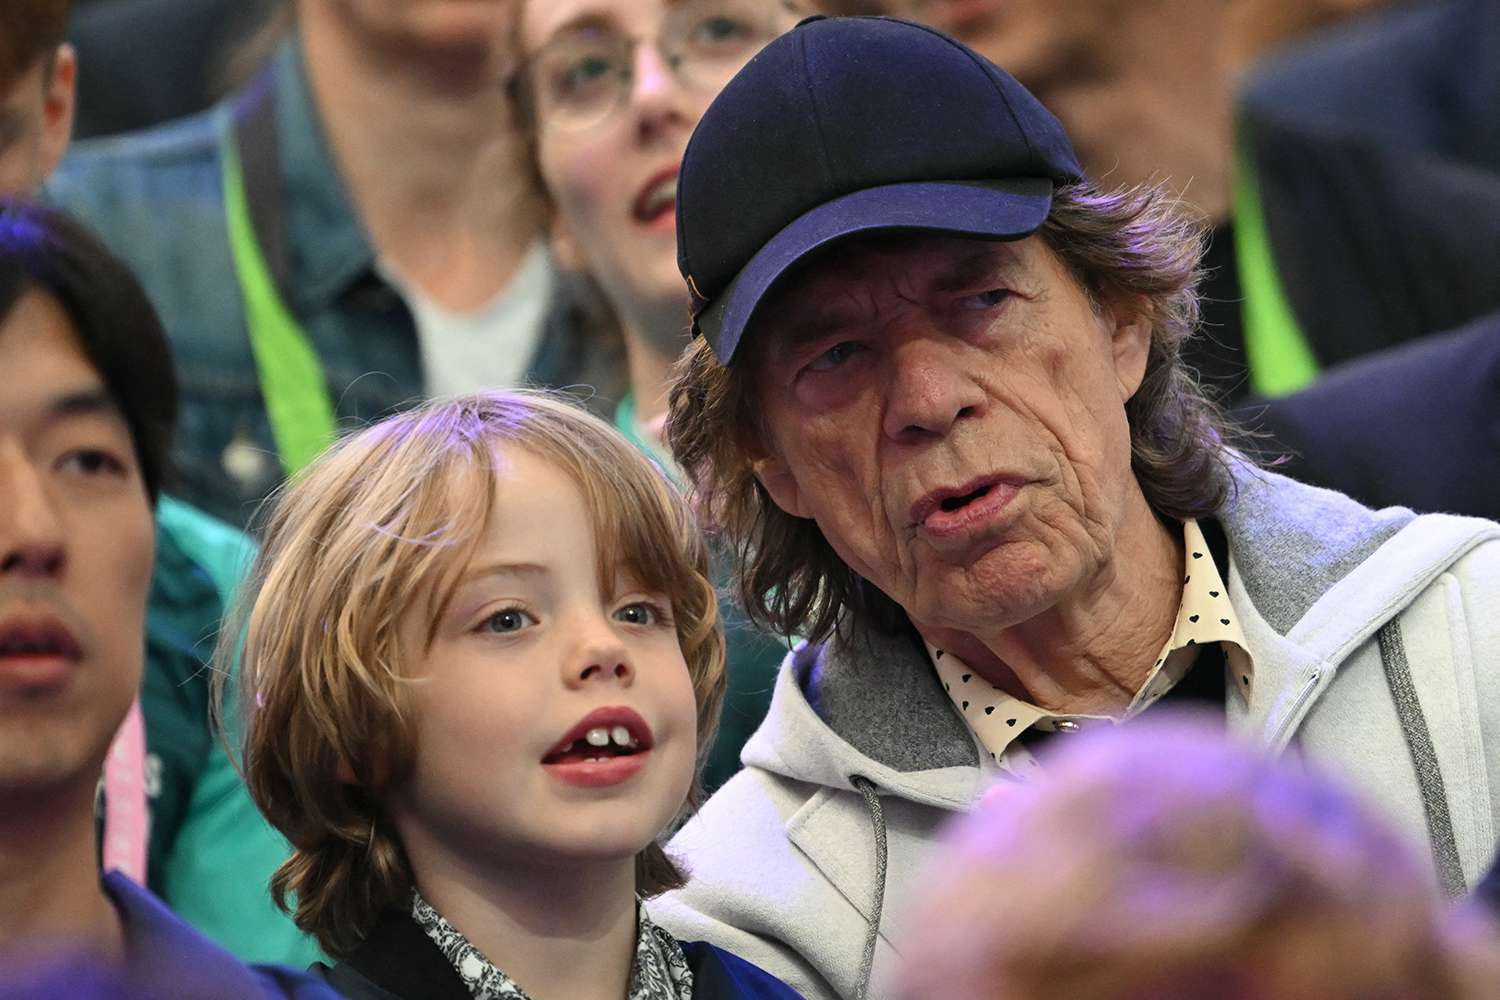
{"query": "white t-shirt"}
[(486, 348)]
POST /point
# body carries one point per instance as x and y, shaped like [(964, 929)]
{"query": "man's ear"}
[(57, 108), (565, 249), (1130, 323), (776, 476)]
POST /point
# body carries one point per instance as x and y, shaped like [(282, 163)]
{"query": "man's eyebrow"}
[(975, 268), (94, 401), (584, 20)]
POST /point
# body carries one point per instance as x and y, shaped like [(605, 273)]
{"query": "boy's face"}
[(76, 544), (527, 653), (36, 119)]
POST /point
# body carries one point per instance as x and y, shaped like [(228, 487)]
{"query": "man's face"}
[(614, 182), (36, 117), (76, 544), (1042, 43), (951, 414), (455, 30)]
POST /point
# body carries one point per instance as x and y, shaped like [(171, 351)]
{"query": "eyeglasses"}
[(584, 74)]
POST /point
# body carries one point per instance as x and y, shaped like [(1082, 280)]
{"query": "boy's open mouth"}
[(603, 734)]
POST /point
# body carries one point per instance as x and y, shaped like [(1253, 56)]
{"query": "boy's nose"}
[(601, 657)]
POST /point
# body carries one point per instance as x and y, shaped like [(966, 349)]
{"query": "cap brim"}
[(1000, 210)]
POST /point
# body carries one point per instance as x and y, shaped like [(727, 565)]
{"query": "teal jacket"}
[(211, 854)]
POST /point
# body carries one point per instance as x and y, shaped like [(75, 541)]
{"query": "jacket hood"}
[(1314, 571)]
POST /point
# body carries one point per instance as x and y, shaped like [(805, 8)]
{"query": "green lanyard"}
[(292, 383), (1276, 351)]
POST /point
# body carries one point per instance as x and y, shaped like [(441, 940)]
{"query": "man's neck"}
[(49, 878), (559, 931), (431, 159), (1090, 653)]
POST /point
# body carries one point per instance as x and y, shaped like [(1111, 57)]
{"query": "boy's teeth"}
[(597, 737), (621, 735)]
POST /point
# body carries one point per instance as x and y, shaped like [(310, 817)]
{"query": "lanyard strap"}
[(1276, 350), (126, 822), (292, 382)]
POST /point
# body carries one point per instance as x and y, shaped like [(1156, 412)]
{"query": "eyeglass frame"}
[(523, 95)]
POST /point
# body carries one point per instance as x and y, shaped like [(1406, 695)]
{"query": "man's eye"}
[(641, 613), (506, 621), (834, 356), (985, 300), (93, 462)]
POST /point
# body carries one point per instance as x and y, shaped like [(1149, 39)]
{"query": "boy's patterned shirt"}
[(660, 970)]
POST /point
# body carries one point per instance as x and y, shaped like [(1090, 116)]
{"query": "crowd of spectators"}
[(759, 239)]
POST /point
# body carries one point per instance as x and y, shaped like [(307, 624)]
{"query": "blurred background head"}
[(1142, 86), (1160, 860), (37, 75)]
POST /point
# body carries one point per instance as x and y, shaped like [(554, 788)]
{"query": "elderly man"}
[(938, 405)]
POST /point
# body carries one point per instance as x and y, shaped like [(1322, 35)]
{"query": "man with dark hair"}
[(86, 410), (37, 75), (937, 400), (199, 842)]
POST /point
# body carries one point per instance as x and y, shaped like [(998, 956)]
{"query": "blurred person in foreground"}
[(352, 230), (610, 91), (1164, 861), (199, 843), (86, 412), (937, 402), (1331, 239)]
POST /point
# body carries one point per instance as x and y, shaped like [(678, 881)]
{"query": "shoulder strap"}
[(292, 382)]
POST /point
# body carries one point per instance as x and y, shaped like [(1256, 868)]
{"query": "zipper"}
[(1282, 735)]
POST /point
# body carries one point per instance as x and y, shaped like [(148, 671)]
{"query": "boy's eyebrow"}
[(504, 569)]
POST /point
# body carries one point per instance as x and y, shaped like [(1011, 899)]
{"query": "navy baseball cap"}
[(848, 125)]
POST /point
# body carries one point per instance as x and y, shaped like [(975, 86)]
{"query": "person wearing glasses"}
[(351, 231), (609, 91)]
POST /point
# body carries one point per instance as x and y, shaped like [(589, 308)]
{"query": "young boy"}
[(480, 662)]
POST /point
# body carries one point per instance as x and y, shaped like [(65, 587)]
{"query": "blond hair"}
[(1161, 860), (385, 518)]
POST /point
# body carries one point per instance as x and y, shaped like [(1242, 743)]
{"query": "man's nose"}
[(929, 389), (31, 537), (600, 656)]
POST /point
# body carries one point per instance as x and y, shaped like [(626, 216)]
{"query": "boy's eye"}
[(640, 613), (507, 620)]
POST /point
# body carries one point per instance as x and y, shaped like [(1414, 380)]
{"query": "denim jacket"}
[(156, 197)]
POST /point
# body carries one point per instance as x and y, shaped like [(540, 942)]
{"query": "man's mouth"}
[(950, 511), (658, 197), (35, 637), (37, 652)]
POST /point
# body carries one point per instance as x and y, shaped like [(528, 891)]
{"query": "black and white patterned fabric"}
[(660, 971)]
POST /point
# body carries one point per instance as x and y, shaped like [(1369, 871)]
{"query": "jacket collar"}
[(166, 957), (329, 247), (398, 960)]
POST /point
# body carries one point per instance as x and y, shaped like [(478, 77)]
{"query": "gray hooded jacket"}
[(1376, 642)]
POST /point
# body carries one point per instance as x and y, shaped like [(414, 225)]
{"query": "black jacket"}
[(398, 961), (1417, 426), (1377, 154)]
